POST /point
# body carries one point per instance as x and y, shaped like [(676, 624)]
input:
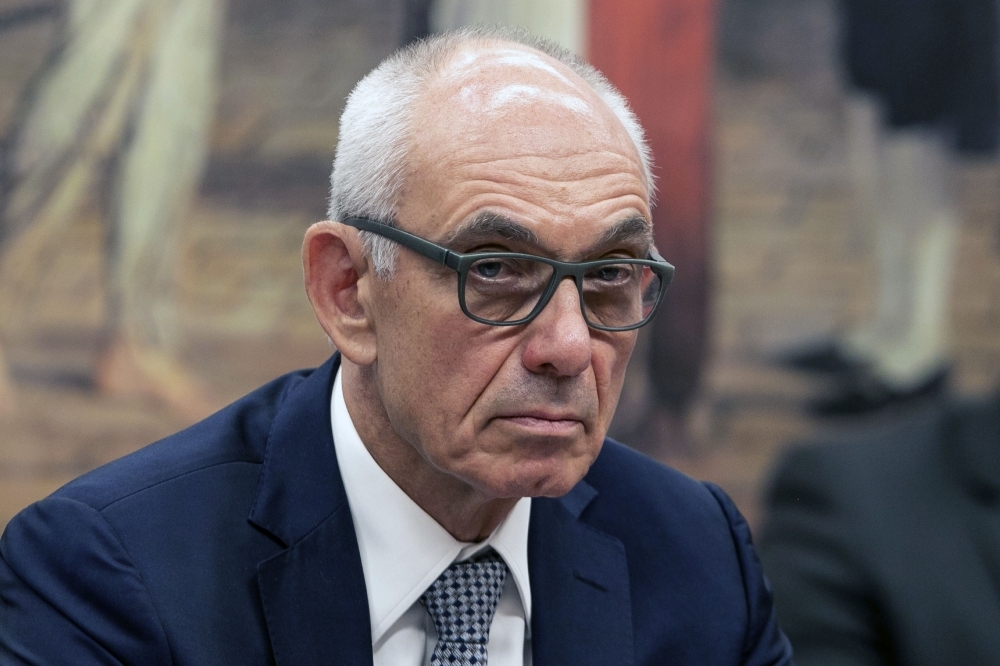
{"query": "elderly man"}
[(440, 492)]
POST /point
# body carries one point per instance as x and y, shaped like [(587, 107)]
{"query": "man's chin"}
[(545, 478)]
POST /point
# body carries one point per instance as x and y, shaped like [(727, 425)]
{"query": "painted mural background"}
[(161, 160)]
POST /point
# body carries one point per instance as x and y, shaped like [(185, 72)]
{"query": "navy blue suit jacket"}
[(232, 543)]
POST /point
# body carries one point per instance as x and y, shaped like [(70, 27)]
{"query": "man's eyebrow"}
[(632, 230), (489, 226)]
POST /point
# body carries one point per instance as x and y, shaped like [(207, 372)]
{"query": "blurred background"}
[(162, 159)]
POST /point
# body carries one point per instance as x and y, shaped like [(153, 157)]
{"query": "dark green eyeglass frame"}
[(461, 263)]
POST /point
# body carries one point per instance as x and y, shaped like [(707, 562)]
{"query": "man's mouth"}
[(544, 422)]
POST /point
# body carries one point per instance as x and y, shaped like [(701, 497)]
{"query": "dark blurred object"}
[(659, 53), (19, 16), (931, 61), (884, 548), (416, 20), (823, 357), (862, 392), (792, 40)]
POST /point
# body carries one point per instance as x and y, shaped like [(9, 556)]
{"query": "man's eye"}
[(488, 269), (609, 273)]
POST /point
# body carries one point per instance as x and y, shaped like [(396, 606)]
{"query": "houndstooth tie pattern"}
[(461, 602)]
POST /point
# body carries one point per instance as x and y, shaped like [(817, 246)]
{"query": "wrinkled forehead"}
[(491, 88)]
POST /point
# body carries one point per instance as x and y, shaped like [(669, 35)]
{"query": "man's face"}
[(511, 151)]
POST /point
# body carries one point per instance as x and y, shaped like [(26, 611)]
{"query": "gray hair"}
[(375, 127)]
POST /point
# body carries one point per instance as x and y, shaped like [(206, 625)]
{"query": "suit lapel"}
[(315, 600), (581, 607), (313, 592)]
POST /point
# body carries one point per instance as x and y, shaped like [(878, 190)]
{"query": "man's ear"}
[(337, 273)]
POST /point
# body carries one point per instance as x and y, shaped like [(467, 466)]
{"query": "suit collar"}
[(313, 592), (300, 482), (582, 611)]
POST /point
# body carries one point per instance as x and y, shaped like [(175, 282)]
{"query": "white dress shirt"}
[(404, 550)]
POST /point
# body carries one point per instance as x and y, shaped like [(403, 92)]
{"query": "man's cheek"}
[(475, 367), (610, 363)]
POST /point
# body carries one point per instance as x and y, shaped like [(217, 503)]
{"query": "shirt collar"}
[(403, 549)]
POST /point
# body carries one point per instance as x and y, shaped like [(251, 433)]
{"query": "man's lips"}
[(548, 422)]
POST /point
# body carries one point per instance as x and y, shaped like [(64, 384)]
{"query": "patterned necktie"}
[(461, 602)]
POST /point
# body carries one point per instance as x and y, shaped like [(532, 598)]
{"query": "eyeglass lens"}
[(502, 289)]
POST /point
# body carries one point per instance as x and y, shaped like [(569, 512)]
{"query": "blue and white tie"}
[(461, 602)]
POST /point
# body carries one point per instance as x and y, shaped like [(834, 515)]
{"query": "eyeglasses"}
[(511, 288)]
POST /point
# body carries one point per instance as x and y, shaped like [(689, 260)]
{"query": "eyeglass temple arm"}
[(655, 256), (669, 276), (432, 251), (435, 252)]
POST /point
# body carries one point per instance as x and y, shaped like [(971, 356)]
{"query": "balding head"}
[(532, 102), (496, 75)]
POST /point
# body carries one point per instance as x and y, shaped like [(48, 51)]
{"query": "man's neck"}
[(467, 514)]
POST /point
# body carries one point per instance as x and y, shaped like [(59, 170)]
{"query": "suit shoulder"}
[(654, 508), (623, 475), (61, 565), (236, 434), (684, 540)]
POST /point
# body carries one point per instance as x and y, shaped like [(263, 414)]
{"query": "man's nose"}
[(559, 338)]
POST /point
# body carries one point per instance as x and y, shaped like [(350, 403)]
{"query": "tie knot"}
[(463, 599)]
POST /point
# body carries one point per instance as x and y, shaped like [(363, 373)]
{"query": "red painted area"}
[(659, 53)]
